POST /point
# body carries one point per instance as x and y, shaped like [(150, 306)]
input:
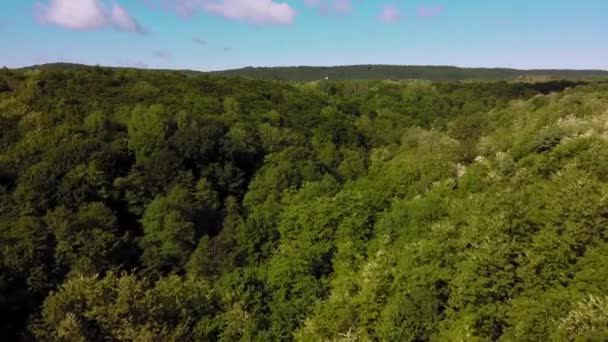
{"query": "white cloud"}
[(86, 15), (121, 19), (251, 11), (255, 11)]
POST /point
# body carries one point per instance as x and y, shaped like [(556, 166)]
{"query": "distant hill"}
[(57, 66), (376, 72), (397, 72), (75, 66)]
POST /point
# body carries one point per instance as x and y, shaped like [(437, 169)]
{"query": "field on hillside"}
[(160, 206)]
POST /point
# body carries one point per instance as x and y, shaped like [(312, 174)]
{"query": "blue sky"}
[(221, 34)]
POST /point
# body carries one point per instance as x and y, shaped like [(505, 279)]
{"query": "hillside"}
[(378, 72), (153, 206), (396, 72)]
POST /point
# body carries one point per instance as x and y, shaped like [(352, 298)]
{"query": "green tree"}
[(149, 127), (88, 242), (170, 229), (123, 307)]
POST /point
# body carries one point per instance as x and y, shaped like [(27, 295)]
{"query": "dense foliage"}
[(151, 206)]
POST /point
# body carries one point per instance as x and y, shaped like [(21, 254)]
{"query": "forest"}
[(375, 72), (404, 72), (165, 206)]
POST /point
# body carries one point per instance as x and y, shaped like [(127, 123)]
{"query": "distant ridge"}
[(404, 72), (374, 72)]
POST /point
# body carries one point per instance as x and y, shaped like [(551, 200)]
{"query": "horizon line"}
[(312, 66)]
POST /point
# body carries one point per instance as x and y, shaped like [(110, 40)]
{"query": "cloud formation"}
[(86, 15), (429, 11), (390, 14), (251, 11), (123, 21)]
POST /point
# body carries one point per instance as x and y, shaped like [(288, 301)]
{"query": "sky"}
[(225, 34)]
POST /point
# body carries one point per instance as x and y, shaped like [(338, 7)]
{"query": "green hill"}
[(397, 72), (376, 72)]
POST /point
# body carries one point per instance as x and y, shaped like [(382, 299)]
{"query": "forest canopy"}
[(163, 206)]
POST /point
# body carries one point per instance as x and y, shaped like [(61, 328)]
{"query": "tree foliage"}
[(162, 206)]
